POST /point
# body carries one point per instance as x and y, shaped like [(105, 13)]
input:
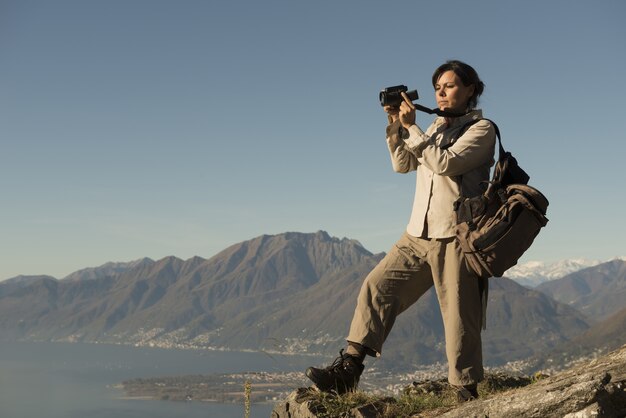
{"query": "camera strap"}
[(438, 112)]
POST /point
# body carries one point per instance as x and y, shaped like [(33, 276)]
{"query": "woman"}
[(451, 160)]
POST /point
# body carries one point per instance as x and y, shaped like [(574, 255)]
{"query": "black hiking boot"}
[(342, 376), (466, 393)]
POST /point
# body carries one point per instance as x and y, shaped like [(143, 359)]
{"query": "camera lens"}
[(382, 96)]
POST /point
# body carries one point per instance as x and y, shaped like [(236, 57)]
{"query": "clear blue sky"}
[(151, 128)]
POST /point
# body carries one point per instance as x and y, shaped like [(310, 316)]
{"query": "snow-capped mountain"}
[(533, 273)]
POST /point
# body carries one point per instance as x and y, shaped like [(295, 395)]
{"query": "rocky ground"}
[(594, 388)]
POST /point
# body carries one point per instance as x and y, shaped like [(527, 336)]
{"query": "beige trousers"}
[(412, 266)]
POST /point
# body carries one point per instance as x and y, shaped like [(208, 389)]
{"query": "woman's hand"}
[(407, 112), (392, 113)]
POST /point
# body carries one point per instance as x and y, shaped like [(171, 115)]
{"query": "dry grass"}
[(415, 399)]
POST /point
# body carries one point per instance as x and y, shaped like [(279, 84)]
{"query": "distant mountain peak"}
[(107, 269), (26, 279), (534, 273), (323, 234), (320, 249), (307, 239)]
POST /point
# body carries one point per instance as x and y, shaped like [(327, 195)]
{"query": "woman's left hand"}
[(407, 112)]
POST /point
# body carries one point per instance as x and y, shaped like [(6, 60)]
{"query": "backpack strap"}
[(464, 128), (501, 151), (506, 171)]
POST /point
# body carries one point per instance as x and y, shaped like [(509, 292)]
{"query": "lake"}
[(62, 380)]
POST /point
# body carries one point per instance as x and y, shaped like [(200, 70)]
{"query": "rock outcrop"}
[(594, 388), (590, 389)]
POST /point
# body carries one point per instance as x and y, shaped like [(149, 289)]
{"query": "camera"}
[(391, 96)]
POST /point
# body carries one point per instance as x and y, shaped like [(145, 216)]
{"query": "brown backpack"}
[(497, 227)]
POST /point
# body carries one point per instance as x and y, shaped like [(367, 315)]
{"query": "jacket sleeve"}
[(402, 159), (472, 149)]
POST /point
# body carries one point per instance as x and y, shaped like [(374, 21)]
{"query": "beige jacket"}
[(444, 173)]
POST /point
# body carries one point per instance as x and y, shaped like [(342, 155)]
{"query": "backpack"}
[(496, 228)]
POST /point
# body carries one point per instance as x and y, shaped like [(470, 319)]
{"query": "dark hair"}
[(468, 76)]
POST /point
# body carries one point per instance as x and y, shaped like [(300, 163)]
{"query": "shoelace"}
[(338, 363)]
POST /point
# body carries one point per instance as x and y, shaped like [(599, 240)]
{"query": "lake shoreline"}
[(61, 380)]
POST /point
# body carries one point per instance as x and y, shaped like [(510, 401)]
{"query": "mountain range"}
[(534, 273), (291, 292), (598, 292)]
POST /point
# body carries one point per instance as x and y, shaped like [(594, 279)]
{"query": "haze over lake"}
[(57, 380)]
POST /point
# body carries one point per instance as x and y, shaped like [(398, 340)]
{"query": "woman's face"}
[(451, 94)]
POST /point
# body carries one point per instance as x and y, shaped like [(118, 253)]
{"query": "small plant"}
[(407, 405), (247, 392), (330, 405), (538, 376)]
